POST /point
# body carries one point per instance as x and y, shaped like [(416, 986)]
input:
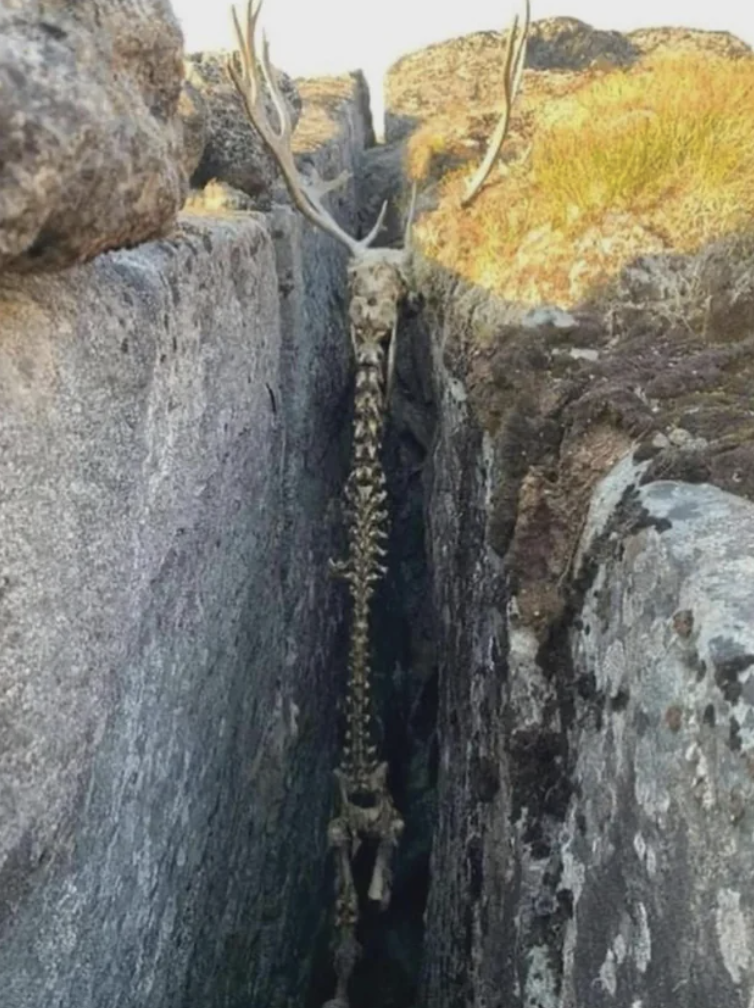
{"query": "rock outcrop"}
[(192, 108), (464, 71), (593, 780), (563, 668), (594, 721), (170, 640), (233, 152), (91, 149), (466, 931), (658, 855)]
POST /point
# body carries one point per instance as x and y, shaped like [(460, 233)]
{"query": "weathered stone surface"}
[(170, 453), (535, 900), (192, 108), (683, 40), (466, 911), (591, 846), (233, 150), (91, 148), (564, 43), (659, 854)]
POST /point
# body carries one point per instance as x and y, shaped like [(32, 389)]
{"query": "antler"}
[(513, 69), (306, 193)]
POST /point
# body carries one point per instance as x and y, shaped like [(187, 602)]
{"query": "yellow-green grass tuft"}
[(664, 151)]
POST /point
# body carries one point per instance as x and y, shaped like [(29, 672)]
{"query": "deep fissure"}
[(405, 695)]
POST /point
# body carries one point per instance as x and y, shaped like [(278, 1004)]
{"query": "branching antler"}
[(513, 69), (306, 193)]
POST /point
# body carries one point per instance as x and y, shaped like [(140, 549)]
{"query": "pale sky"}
[(310, 37)]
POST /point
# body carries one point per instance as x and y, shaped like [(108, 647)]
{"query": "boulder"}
[(233, 152), (91, 143)]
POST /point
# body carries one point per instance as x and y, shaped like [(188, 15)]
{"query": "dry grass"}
[(627, 162)]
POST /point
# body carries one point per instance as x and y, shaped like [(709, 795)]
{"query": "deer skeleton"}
[(378, 281)]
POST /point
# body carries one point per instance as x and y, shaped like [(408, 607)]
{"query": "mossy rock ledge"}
[(592, 546)]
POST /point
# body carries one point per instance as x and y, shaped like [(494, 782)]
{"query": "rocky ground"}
[(544, 741)]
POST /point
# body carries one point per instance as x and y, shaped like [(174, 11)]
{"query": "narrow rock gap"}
[(406, 700)]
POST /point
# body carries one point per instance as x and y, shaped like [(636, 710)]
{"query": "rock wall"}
[(573, 724), (170, 655), (473, 821), (592, 845), (658, 851)]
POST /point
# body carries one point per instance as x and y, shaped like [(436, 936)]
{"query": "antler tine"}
[(306, 195), (284, 118), (366, 242), (513, 69)]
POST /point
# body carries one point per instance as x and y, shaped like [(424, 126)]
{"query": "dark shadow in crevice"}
[(405, 691)]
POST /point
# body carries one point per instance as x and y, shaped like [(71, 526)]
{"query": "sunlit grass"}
[(668, 144)]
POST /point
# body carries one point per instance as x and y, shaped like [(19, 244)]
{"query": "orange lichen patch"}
[(600, 167)]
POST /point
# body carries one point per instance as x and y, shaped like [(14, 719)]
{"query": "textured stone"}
[(91, 148), (690, 40), (659, 853), (564, 43), (170, 640), (379, 180), (552, 773), (233, 151), (594, 784), (466, 917), (192, 109)]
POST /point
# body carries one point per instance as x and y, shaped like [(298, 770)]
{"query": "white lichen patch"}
[(294, 713), (743, 711), (642, 943), (646, 854), (620, 949), (549, 315), (574, 873), (613, 671), (541, 989), (651, 861), (640, 846), (733, 934), (606, 498), (650, 787), (608, 977), (531, 693)]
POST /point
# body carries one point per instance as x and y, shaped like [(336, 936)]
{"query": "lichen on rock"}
[(91, 149)]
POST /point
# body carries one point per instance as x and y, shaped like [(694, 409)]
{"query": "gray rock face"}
[(192, 109), (592, 846), (466, 912), (594, 783), (171, 456), (91, 148), (659, 855), (233, 151), (379, 180)]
